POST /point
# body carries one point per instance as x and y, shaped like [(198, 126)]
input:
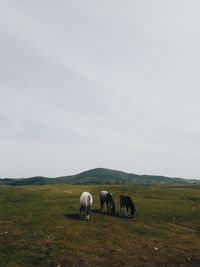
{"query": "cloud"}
[(88, 84)]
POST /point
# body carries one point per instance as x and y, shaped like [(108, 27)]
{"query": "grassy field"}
[(40, 226)]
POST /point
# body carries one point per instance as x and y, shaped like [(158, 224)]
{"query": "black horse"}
[(127, 205), (105, 196)]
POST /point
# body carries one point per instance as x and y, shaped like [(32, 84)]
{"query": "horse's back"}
[(86, 199), (124, 199), (103, 195), (104, 192)]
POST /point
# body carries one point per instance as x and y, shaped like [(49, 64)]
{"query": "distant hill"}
[(99, 176)]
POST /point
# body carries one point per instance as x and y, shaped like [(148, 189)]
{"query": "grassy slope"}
[(39, 225), (98, 176)]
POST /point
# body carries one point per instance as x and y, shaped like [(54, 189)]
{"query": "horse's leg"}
[(128, 211), (125, 211), (121, 209), (109, 209), (85, 212), (101, 206), (81, 210), (88, 212)]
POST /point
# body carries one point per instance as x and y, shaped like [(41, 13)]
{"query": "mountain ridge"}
[(99, 176)]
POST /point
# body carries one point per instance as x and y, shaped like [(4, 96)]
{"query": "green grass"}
[(40, 226)]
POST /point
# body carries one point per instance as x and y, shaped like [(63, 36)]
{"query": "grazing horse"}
[(127, 204), (86, 202), (107, 197)]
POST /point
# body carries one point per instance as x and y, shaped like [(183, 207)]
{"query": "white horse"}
[(86, 202)]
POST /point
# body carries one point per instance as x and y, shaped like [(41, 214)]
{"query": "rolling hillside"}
[(99, 176)]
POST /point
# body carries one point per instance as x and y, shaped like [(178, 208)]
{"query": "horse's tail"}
[(89, 200)]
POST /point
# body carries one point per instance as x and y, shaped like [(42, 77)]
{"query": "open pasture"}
[(41, 226)]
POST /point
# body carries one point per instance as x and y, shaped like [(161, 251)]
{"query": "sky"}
[(86, 84)]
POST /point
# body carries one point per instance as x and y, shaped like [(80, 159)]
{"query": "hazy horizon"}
[(71, 174), (112, 84)]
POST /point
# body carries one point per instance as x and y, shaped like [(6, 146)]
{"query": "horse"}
[(105, 196), (86, 202), (128, 206)]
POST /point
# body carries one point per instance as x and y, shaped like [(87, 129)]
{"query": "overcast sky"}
[(87, 84)]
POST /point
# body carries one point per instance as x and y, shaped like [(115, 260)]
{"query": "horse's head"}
[(112, 208), (111, 203), (133, 211)]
